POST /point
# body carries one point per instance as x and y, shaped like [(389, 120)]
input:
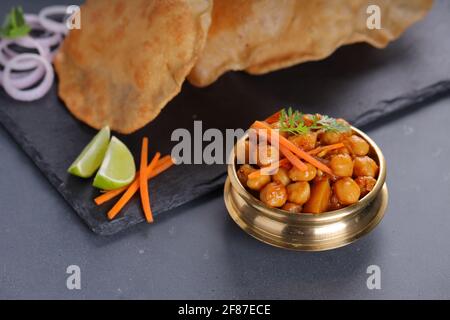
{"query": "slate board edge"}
[(383, 109), (413, 98)]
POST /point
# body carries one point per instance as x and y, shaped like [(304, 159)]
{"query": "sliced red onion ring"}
[(49, 39), (31, 94), (3, 54), (25, 79), (33, 21), (52, 25), (27, 42)]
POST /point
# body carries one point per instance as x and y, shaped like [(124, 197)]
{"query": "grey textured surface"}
[(358, 82), (198, 252)]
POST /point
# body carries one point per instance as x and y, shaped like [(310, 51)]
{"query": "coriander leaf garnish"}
[(328, 123), (15, 25), (293, 122)]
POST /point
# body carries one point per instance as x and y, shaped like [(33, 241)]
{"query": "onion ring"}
[(27, 42), (26, 79), (50, 39), (33, 21), (31, 94), (52, 25)]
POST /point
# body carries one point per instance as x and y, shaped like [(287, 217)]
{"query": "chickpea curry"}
[(314, 163)]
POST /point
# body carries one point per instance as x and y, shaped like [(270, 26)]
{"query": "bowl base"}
[(317, 237)]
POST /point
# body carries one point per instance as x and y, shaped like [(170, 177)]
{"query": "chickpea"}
[(267, 155), (298, 192), (343, 121), (358, 145), (258, 183), (365, 184), (343, 150), (292, 207), (243, 173), (331, 137), (305, 141), (347, 191), (320, 196), (282, 176), (297, 175), (273, 194), (365, 166), (342, 165)]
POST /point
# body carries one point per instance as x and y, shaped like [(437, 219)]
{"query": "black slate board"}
[(358, 82)]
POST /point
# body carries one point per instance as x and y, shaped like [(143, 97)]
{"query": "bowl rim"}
[(325, 217)]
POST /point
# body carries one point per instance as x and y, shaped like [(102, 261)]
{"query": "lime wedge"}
[(117, 169), (92, 155)]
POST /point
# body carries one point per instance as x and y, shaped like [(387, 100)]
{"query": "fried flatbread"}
[(260, 36), (129, 59)]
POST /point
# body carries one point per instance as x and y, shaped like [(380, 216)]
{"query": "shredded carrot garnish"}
[(163, 164), (296, 162), (273, 118), (318, 150), (275, 141), (272, 168), (132, 189), (143, 184), (289, 146)]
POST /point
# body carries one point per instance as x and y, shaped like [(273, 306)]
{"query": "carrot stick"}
[(163, 164), (296, 162), (132, 188), (273, 118), (274, 140), (143, 184), (292, 148), (330, 147), (272, 167)]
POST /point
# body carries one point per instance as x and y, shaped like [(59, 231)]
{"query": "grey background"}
[(198, 252)]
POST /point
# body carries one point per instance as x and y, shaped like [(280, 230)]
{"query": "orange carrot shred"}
[(132, 189), (296, 162), (274, 139), (273, 118), (143, 184), (289, 146), (326, 148), (163, 164)]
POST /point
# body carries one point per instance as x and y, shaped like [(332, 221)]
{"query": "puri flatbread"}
[(129, 59), (260, 36)]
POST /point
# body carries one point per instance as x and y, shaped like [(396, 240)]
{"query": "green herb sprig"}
[(293, 122), (327, 123), (15, 25)]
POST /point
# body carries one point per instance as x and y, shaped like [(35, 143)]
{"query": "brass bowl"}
[(305, 231)]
